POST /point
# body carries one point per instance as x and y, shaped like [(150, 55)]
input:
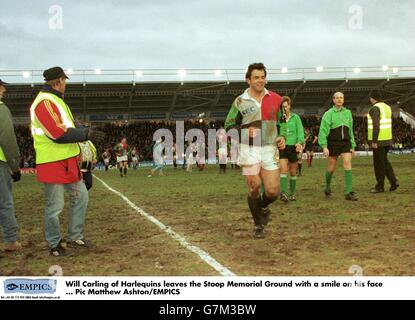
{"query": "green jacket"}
[(295, 130), (336, 126), (8, 145)]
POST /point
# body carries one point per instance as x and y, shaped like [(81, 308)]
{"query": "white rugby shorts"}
[(253, 158), (122, 158)]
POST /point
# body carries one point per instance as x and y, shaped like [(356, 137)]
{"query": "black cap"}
[(54, 73), (376, 95), (2, 83)]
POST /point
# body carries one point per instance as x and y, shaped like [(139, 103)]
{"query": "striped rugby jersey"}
[(247, 112)]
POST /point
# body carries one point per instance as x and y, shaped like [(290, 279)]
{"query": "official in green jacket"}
[(293, 146), (337, 139), (379, 120)]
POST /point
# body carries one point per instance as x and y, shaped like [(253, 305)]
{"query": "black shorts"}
[(289, 153), (309, 147), (336, 148)]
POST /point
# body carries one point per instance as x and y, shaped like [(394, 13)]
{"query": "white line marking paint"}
[(206, 257)]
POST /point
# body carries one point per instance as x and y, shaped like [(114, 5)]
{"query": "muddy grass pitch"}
[(312, 236)]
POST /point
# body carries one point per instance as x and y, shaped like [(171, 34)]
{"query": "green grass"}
[(312, 236)]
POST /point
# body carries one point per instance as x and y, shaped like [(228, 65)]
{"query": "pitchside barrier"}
[(317, 155), (147, 164)]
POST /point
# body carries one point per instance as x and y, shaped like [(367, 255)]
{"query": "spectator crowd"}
[(139, 135)]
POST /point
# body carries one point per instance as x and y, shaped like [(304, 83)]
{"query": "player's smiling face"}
[(257, 80)]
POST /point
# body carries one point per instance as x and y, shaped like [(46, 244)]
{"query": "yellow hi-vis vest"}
[(2, 156), (47, 150), (385, 130)]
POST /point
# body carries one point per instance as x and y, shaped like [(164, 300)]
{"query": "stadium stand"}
[(138, 107)]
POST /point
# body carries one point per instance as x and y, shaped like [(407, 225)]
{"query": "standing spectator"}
[(174, 156), (9, 169), (191, 155), (379, 120), (310, 145), (55, 138), (106, 156), (222, 139), (158, 158), (134, 157)]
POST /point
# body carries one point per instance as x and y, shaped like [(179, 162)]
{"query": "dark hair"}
[(376, 94), (255, 66)]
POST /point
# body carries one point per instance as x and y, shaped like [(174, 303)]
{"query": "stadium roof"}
[(164, 94)]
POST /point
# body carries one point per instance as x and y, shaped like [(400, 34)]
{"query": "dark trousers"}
[(222, 168), (87, 177), (383, 167)]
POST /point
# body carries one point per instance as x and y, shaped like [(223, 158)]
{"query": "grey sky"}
[(206, 34)]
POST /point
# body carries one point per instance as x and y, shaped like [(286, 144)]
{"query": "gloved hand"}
[(96, 135), (16, 176)]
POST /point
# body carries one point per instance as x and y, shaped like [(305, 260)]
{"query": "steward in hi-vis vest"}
[(47, 150), (379, 130), (384, 129), (55, 139)]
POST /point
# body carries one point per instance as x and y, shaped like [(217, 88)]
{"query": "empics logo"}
[(29, 286), (11, 286)]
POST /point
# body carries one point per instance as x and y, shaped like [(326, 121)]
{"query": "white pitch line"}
[(206, 257)]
